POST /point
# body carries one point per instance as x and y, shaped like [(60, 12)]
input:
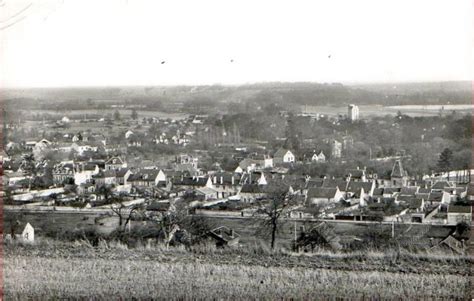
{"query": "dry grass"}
[(111, 271)]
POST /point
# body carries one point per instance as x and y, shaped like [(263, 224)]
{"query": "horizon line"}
[(347, 83)]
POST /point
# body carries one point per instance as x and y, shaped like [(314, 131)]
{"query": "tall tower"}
[(353, 112), (399, 175)]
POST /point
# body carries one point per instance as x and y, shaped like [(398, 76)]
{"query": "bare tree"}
[(124, 213), (274, 209)]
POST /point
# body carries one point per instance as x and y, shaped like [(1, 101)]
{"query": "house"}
[(224, 236), (187, 159), (106, 177), (457, 214), (128, 134), (367, 188), (63, 172), (122, 175), (134, 140), (416, 209), (324, 195), (147, 177), (27, 232), (247, 165), (314, 156), (85, 188), (226, 183), (341, 184), (356, 175), (251, 192), (84, 172), (441, 185), (283, 156), (115, 163), (208, 193)]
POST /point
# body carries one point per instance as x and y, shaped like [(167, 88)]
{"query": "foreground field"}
[(60, 270)]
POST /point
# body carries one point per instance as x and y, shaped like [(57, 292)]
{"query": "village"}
[(109, 172)]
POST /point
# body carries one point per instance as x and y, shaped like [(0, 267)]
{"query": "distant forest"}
[(195, 97)]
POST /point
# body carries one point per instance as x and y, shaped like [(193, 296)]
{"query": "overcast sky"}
[(130, 42)]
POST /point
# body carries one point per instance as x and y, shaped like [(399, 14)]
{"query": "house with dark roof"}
[(441, 185), (356, 175), (146, 177), (106, 177), (457, 214), (324, 195), (283, 156), (356, 187), (122, 176), (341, 184)]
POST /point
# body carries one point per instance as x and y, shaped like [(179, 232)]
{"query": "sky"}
[(54, 43)]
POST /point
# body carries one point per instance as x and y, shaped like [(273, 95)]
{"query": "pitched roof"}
[(320, 192), (281, 152), (378, 191), (397, 170), (459, 209), (440, 185), (190, 181), (355, 173), (357, 186), (333, 183), (252, 188), (121, 172), (314, 183), (147, 175), (409, 190), (114, 160)]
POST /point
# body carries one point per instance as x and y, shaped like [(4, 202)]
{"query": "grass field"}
[(54, 270)]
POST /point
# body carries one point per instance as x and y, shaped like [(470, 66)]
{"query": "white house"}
[(262, 180), (283, 156), (28, 233), (318, 157), (115, 163), (321, 195), (457, 214), (128, 134), (84, 172)]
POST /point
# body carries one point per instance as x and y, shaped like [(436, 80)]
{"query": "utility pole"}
[(296, 248), (393, 229)]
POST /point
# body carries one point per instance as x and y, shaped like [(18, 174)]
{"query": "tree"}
[(275, 208), (445, 159), (116, 115), (123, 212), (134, 114)]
